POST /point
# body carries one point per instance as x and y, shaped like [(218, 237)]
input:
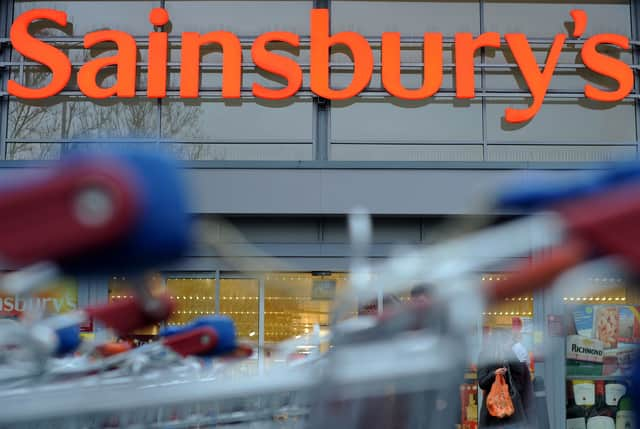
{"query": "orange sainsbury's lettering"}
[(432, 77), (158, 48), (466, 47), (231, 63), (124, 60), (36, 50), (276, 64), (321, 42), (607, 66), (537, 82)]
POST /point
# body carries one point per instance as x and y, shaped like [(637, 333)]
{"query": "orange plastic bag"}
[(499, 403)]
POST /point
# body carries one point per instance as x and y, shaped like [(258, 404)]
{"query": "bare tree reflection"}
[(42, 129)]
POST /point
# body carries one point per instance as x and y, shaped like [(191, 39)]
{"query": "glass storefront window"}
[(86, 16), (542, 19), (65, 117), (412, 18), (121, 288), (436, 130), (514, 319), (242, 17), (296, 302), (194, 297), (57, 297), (239, 299), (217, 130), (602, 337)]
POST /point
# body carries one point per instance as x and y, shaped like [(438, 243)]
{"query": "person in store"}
[(429, 406), (371, 308), (502, 354)]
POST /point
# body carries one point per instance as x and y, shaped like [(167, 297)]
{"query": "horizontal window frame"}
[(369, 93)]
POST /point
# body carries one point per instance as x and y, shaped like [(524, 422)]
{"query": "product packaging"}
[(607, 326), (629, 331), (583, 320), (585, 356)]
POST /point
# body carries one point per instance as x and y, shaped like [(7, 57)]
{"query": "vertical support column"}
[(321, 109), (550, 347), (542, 367), (261, 323), (483, 84), (98, 294), (635, 23), (217, 307), (380, 300), (555, 363), (83, 290), (159, 100), (6, 17)]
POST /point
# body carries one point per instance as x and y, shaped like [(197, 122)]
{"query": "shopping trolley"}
[(401, 368)]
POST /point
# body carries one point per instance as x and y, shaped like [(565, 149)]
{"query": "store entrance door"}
[(239, 298), (194, 295)]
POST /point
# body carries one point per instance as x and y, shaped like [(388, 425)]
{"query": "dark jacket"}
[(524, 415)]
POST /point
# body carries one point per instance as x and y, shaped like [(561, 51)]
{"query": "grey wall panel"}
[(564, 121), (296, 191), (212, 79), (371, 18), (385, 231), (411, 192), (237, 120), (89, 16), (213, 55), (335, 230), (564, 153), (546, 18), (275, 230), (410, 56), (241, 152), (426, 192), (403, 121), (396, 230), (254, 191), (245, 17), (412, 79), (563, 79), (399, 152)]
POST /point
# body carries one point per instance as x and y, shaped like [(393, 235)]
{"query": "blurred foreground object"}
[(400, 368)]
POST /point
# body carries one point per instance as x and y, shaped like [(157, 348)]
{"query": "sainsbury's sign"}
[(465, 47)]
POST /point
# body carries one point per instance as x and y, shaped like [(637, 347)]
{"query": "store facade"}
[(285, 171)]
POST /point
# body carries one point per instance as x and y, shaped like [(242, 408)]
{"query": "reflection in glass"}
[(32, 75), (564, 79), (75, 118), (239, 300), (241, 17), (120, 288), (238, 120), (193, 298), (411, 18), (402, 121), (240, 151), (295, 302), (86, 16), (411, 152), (568, 120), (542, 19)]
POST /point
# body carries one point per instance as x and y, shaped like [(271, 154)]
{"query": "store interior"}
[(601, 330)]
